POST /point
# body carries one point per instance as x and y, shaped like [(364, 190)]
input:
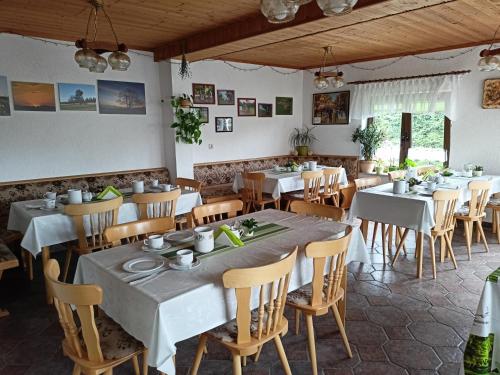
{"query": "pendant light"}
[(324, 79), (280, 11), (490, 58)]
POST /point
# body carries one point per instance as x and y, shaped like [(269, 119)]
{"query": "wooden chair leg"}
[(389, 238), (340, 324), (384, 250), (277, 204), (433, 255), (450, 249), (282, 355), (287, 207), (77, 370), (257, 355), (297, 321), (109, 371), (399, 236), (135, 363), (244, 361), (468, 238), (145, 366), (312, 343), (29, 264), (481, 232), (67, 262), (374, 236), (199, 355), (236, 364), (478, 233), (497, 224), (401, 244)]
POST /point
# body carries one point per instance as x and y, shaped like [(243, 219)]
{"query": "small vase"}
[(477, 173), (379, 170)]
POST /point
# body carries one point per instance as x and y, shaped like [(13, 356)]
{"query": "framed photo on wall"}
[(121, 98), (225, 97), (491, 94), (203, 93), (331, 108), (77, 97), (223, 124), (246, 107), (202, 113), (33, 96), (284, 106), (265, 110), (4, 97)]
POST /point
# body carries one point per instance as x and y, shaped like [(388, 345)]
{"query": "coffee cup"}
[(74, 196), (276, 168), (431, 185), (154, 183), (154, 241), (184, 257), (203, 239), (237, 232), (49, 203), (166, 187), (87, 196), (137, 187), (50, 195), (312, 165)]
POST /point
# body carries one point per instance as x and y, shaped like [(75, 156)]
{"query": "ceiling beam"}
[(242, 29)]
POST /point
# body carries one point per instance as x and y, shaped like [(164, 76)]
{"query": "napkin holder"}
[(224, 236), (110, 192)]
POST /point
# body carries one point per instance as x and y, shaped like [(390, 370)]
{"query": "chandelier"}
[(280, 11), (490, 57), (89, 53), (324, 79)]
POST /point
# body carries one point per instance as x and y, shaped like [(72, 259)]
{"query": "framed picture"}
[(203, 93), (246, 107), (265, 110), (4, 97), (202, 113), (121, 98), (491, 94), (284, 106), (223, 124), (33, 96), (225, 97), (77, 97), (331, 108)]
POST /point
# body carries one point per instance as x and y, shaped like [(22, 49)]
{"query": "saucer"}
[(180, 236), (173, 264), (47, 209), (147, 249)]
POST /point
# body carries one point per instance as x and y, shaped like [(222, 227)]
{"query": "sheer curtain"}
[(418, 95)]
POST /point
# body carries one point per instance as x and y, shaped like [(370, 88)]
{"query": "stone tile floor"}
[(396, 324)]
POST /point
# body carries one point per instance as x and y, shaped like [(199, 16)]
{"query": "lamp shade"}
[(119, 61), (277, 11), (321, 82)]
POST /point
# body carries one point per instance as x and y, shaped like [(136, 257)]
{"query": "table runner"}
[(177, 305)]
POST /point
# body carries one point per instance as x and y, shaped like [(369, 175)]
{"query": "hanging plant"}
[(188, 124)]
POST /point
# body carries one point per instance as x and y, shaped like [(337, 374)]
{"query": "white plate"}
[(173, 264), (49, 209), (143, 265), (425, 193), (180, 236), (32, 206), (166, 246)]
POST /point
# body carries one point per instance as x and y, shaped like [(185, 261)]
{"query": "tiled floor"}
[(396, 323)]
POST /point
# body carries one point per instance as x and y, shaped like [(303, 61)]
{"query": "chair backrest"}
[(84, 298), (423, 170), (367, 182), (188, 184), (253, 183), (212, 212), (445, 203), (312, 184), (323, 211), (272, 281), (91, 219), (135, 230), (335, 252), (394, 175), (153, 205), (332, 178), (479, 196)]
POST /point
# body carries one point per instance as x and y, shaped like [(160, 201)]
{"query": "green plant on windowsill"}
[(188, 124), (379, 167), (408, 163), (370, 139)]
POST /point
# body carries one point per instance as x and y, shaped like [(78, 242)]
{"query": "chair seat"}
[(266, 198), (7, 258), (303, 295), (229, 332)]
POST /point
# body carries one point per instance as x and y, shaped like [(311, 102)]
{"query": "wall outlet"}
[(210, 146)]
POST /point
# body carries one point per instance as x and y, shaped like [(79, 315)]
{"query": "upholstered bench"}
[(7, 260)]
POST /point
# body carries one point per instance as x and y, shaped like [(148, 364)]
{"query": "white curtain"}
[(419, 95)]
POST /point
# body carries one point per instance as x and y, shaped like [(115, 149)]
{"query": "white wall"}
[(45, 144), (475, 134)]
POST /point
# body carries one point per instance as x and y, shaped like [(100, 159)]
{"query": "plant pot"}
[(302, 150), (185, 103), (379, 170), (477, 173), (367, 166)]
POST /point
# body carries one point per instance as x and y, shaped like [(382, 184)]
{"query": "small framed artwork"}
[(77, 97), (246, 107), (491, 94), (331, 108), (284, 106), (225, 97), (202, 113), (203, 93), (265, 110), (223, 124), (33, 96), (4, 97)]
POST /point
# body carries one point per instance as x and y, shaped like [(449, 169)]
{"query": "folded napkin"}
[(109, 193), (224, 236)]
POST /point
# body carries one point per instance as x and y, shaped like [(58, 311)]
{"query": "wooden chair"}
[(7, 261), (91, 220), (136, 230), (250, 330), (475, 212), (331, 188), (252, 194), (445, 202), (212, 212), (323, 293), (98, 344), (494, 205), (154, 205), (188, 184), (312, 185), (320, 210)]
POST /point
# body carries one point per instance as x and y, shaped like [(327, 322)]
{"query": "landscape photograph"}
[(33, 96), (77, 97), (121, 98), (4, 97)]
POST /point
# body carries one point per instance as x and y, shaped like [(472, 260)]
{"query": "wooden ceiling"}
[(236, 31)]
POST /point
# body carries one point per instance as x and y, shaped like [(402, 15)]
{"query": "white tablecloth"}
[(42, 228), (277, 183), (178, 305)]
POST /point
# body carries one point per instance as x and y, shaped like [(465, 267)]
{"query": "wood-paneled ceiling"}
[(236, 31)]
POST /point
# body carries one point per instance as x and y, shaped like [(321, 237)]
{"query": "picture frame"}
[(331, 108), (284, 106), (225, 97), (491, 93), (202, 113), (77, 97), (265, 109), (203, 93), (33, 96), (247, 107), (223, 124), (121, 97), (4, 97)]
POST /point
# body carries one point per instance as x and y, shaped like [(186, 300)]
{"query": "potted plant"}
[(478, 171), (413, 182), (446, 175), (185, 101), (188, 124), (249, 226), (301, 139), (371, 139), (379, 169)]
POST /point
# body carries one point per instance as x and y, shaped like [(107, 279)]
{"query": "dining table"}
[(174, 305), (282, 181)]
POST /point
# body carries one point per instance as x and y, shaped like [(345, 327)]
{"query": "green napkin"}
[(235, 241), (109, 193)]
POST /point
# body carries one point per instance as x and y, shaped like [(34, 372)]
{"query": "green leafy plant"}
[(392, 168), (408, 163), (370, 138), (249, 224), (478, 168), (446, 173), (413, 181), (302, 137), (188, 124)]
